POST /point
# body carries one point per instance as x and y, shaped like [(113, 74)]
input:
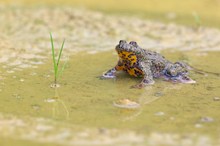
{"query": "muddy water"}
[(81, 111)]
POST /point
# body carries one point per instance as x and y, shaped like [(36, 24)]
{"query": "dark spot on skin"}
[(186, 78), (120, 63), (130, 68), (126, 65), (135, 64), (130, 55), (137, 72)]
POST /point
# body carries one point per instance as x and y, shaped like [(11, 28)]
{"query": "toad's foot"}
[(109, 74), (145, 65), (186, 80), (180, 79), (104, 76)]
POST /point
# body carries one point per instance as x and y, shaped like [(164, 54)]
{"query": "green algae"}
[(85, 100)]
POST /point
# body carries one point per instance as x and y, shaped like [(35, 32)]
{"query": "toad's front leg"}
[(148, 76), (110, 74)]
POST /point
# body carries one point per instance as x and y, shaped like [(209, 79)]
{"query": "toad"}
[(147, 64)]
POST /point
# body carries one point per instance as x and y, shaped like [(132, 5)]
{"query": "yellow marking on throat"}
[(128, 56)]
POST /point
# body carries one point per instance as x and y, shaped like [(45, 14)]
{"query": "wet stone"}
[(49, 100), (159, 114), (126, 103), (172, 118), (21, 80), (206, 119), (198, 125), (216, 98)]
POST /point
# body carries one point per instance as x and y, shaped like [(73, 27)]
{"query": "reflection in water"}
[(59, 105), (132, 116), (136, 108), (148, 96)]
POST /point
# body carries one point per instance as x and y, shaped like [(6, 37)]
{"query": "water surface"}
[(84, 104)]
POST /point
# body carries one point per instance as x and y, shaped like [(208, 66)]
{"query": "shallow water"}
[(81, 111)]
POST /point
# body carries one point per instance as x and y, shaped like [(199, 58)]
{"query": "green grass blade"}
[(60, 53), (53, 55), (197, 19), (56, 59), (62, 69)]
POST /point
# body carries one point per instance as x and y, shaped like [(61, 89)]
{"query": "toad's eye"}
[(122, 42), (133, 43)]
